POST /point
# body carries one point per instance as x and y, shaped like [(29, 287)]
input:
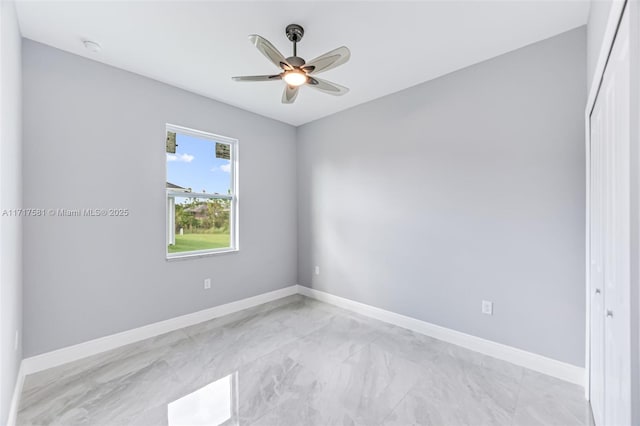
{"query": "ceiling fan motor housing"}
[(295, 61)]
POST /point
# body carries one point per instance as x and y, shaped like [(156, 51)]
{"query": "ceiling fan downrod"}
[(294, 33)]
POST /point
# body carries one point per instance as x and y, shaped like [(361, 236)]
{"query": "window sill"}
[(195, 254)]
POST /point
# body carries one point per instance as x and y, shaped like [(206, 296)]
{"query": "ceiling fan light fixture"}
[(295, 71), (295, 78)]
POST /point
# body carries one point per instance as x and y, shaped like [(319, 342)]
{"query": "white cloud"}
[(185, 158), (224, 168)]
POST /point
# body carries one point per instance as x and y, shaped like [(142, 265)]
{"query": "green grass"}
[(191, 242)]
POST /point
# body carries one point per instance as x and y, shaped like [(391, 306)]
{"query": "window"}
[(201, 191)]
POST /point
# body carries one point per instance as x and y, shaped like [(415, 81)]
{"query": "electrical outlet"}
[(317, 270), (16, 340), (487, 307), (207, 283)]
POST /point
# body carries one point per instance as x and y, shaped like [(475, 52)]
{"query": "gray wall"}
[(94, 137), (598, 17), (10, 198), (465, 188)]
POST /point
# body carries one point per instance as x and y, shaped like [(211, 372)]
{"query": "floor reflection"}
[(212, 405)]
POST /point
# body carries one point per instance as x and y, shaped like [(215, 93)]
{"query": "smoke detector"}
[(92, 46)]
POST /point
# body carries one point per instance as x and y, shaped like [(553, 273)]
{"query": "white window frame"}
[(170, 195)]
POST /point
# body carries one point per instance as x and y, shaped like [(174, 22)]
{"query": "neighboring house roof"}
[(174, 186)]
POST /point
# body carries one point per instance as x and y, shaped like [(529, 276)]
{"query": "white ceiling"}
[(200, 45)]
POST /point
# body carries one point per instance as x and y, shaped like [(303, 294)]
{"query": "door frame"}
[(615, 15)]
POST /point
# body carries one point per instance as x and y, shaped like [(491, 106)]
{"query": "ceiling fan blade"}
[(290, 94), (327, 86), (329, 60), (270, 51), (257, 78)]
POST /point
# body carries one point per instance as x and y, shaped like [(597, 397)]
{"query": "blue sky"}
[(195, 166)]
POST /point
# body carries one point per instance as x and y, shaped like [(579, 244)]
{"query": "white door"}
[(610, 240)]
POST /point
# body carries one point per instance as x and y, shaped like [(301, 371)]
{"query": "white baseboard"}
[(549, 366), (92, 347), (15, 398)]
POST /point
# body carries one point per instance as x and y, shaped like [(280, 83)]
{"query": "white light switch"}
[(317, 270), (487, 307), (207, 283)]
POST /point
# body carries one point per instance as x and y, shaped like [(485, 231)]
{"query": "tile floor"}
[(296, 361)]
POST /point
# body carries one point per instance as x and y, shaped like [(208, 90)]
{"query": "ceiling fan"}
[(295, 71)]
